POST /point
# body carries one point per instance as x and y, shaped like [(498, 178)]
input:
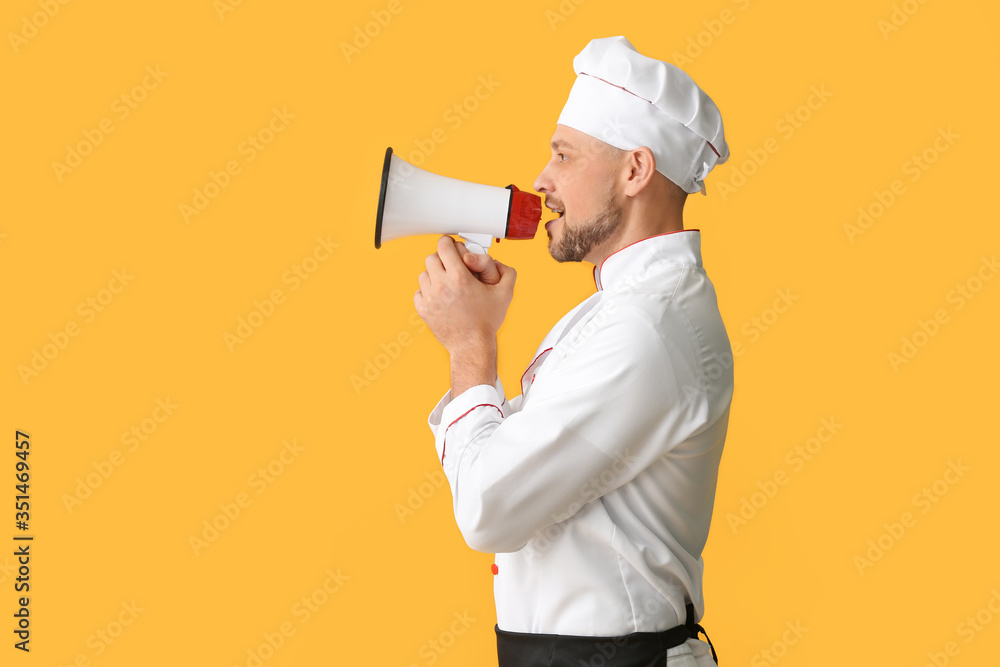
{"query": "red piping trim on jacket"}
[(598, 268), (444, 443), (532, 362)]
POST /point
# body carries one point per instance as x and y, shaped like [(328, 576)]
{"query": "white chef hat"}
[(629, 100)]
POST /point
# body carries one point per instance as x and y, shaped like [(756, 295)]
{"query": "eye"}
[(562, 158)]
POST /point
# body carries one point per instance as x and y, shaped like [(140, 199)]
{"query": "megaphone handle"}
[(477, 243)]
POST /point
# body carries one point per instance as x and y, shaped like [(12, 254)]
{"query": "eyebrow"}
[(559, 143)]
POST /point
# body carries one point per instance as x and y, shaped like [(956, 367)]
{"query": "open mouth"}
[(561, 213)]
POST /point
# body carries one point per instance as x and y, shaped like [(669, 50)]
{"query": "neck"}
[(641, 220)]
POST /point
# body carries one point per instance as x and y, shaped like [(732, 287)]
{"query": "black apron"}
[(639, 649)]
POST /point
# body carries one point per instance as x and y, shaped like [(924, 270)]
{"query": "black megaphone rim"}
[(381, 197)]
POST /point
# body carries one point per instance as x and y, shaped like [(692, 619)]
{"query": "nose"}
[(542, 182)]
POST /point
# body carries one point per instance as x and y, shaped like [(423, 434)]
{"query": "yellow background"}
[(367, 451)]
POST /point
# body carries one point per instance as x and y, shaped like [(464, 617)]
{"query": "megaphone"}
[(413, 201)]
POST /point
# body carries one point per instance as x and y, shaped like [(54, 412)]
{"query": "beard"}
[(577, 241)]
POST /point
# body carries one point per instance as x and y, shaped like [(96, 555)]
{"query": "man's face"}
[(578, 181)]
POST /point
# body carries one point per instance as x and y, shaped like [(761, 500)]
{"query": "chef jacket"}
[(595, 486)]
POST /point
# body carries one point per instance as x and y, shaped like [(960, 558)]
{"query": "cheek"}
[(578, 193), (570, 179)]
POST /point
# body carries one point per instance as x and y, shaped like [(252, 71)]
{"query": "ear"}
[(639, 168)]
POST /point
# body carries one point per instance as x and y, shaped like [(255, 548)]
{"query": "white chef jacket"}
[(595, 486)]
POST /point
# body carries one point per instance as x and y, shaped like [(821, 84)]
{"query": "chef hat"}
[(629, 100)]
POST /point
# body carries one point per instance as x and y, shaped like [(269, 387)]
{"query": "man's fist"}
[(463, 297), (483, 266)]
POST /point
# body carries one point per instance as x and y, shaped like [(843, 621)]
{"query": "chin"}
[(558, 254)]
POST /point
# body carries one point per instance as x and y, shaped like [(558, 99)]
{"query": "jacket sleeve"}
[(449, 407), (620, 398)]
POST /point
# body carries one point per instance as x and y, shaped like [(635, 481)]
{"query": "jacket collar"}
[(625, 264)]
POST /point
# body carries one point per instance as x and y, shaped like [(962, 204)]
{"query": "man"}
[(595, 486)]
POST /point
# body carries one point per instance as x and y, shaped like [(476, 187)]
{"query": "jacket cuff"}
[(450, 410)]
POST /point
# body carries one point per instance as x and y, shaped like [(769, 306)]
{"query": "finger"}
[(449, 254), (473, 261), (507, 273), (486, 269), (425, 281), (469, 258), (435, 269)]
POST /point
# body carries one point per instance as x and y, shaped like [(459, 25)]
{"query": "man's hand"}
[(483, 266), (463, 297)]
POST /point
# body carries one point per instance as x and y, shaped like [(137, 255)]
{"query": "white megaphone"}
[(413, 201)]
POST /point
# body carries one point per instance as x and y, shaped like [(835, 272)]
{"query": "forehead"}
[(567, 138)]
